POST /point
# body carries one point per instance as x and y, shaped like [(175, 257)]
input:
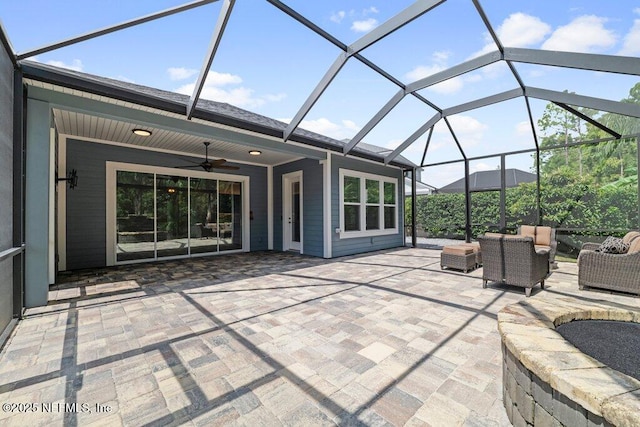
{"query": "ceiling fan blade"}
[(233, 168), (217, 162)]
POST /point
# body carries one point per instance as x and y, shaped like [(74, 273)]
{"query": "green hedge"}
[(567, 201)]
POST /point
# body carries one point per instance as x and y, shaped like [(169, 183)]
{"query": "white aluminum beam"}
[(114, 28), (623, 108), (455, 71), (432, 121), (483, 102), (223, 18), (581, 61), (412, 12), (374, 121), (317, 92)]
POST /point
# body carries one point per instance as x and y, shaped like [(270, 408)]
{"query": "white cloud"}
[(469, 130), (222, 79), (337, 17), (372, 9), (517, 30), (239, 96), (477, 167), (76, 64), (324, 126), (440, 58), (522, 30), (181, 73), (523, 128), (585, 34), (364, 26), (631, 46)]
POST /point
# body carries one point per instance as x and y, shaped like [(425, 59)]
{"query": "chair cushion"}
[(457, 250), (475, 246), (630, 236), (543, 236), (528, 231), (613, 245), (493, 234), (634, 246)]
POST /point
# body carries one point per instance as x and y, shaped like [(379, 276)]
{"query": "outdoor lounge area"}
[(269, 338), (300, 213)]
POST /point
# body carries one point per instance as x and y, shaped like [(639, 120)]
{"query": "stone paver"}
[(385, 338)]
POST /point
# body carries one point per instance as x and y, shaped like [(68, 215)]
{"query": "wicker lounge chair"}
[(514, 261), (617, 272), (544, 237)]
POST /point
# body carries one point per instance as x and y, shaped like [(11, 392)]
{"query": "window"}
[(368, 204)]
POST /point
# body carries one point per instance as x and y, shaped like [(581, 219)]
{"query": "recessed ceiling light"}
[(142, 132), (255, 152)]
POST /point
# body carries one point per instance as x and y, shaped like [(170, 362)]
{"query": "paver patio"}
[(255, 339)]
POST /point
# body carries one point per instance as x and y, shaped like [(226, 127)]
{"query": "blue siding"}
[(86, 204), (357, 245), (312, 210)]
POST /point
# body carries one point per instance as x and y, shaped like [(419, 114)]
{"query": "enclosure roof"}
[(434, 81), (489, 180)]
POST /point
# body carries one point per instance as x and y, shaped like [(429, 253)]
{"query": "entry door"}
[(292, 211)]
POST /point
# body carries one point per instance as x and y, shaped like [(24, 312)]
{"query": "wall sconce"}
[(72, 179)]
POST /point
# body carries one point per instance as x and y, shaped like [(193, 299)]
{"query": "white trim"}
[(110, 188), (381, 231), (110, 199), (62, 205), (270, 208), (287, 178), (326, 217), (246, 214)]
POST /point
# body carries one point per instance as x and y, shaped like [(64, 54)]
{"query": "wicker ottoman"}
[(459, 257), (476, 250)]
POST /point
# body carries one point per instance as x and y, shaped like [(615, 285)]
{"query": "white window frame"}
[(381, 231)]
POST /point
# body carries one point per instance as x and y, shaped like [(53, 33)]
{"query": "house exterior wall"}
[(6, 187), (86, 204), (355, 245), (312, 221)]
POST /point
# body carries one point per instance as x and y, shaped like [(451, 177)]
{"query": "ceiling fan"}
[(209, 164)]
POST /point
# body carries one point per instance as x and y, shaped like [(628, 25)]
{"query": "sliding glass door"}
[(135, 216), (172, 221), (166, 216)]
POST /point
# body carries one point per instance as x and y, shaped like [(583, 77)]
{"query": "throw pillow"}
[(613, 245)]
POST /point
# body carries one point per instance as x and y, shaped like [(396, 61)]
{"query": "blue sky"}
[(269, 63)]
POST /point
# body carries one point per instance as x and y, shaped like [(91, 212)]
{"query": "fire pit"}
[(546, 379)]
